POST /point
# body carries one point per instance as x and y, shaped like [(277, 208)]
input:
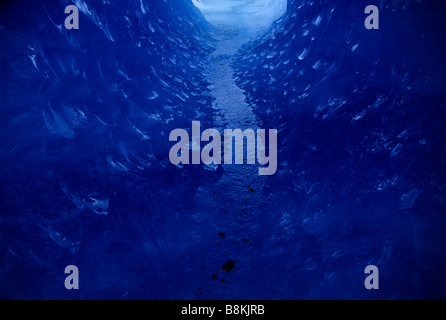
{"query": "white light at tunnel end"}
[(257, 15)]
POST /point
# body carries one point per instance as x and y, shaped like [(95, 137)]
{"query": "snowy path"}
[(230, 206)]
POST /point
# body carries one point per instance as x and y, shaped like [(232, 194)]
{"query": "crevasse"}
[(85, 172)]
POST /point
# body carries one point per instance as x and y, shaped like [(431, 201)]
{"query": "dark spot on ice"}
[(222, 280), (221, 234), (228, 266), (250, 189), (214, 277)]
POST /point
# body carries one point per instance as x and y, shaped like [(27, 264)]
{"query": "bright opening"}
[(250, 16)]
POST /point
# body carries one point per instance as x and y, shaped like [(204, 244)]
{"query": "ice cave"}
[(85, 175)]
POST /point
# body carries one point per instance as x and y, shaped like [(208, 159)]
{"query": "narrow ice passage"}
[(85, 171), (234, 200)]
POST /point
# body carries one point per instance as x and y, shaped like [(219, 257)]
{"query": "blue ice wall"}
[(85, 123), (86, 179), (361, 116)]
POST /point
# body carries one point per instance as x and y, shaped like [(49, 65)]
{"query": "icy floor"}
[(232, 205), (234, 211)]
